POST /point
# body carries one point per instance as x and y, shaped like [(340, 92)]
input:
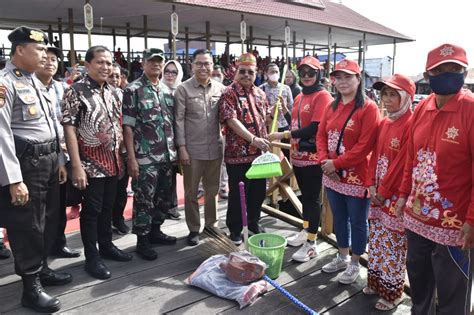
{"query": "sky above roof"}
[(430, 23)]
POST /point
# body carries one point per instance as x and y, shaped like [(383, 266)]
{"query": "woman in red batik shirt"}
[(387, 240), (305, 117), (346, 136)]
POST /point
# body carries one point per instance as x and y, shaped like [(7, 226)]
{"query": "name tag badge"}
[(20, 85)]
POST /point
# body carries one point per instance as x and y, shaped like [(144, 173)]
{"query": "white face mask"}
[(218, 79), (273, 77)]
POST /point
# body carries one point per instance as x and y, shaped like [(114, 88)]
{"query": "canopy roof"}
[(310, 19)]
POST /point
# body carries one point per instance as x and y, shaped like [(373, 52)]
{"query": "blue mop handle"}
[(290, 296)]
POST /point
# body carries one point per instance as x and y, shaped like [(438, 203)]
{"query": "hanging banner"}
[(174, 23), (243, 30), (287, 35), (88, 17)]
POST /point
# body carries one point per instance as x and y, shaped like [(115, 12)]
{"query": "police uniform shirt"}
[(23, 113), (53, 94)]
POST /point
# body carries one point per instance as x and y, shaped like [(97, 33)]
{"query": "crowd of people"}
[(397, 181)]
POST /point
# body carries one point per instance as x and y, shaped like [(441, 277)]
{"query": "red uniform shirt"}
[(439, 172), (357, 143), (311, 110), (386, 169)]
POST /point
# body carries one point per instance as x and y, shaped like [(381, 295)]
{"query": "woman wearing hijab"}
[(305, 117), (172, 76), (346, 136), (387, 240)]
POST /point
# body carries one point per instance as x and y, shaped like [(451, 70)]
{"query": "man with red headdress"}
[(244, 111)]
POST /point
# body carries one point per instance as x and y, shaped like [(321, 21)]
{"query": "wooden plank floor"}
[(158, 287)]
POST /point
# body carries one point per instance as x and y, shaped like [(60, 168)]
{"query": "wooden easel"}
[(280, 188)]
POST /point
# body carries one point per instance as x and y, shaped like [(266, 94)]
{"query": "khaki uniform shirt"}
[(197, 119)]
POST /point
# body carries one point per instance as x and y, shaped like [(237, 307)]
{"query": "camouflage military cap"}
[(152, 53)]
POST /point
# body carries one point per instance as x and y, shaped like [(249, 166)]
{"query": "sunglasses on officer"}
[(244, 71), (310, 73)]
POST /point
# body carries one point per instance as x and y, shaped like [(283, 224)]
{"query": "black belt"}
[(40, 149)]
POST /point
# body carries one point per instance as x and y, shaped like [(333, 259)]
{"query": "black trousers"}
[(121, 198), (432, 267), (309, 180), (96, 215), (60, 240), (32, 228), (255, 190)]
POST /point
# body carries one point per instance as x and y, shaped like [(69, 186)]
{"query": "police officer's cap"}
[(56, 51), (25, 34)]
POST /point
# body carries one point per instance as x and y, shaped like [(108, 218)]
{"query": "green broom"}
[(268, 164)]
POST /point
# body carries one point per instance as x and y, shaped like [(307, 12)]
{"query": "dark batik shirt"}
[(148, 110), (235, 102), (95, 112)]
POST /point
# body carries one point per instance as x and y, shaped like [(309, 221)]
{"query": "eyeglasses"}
[(244, 71), (173, 73), (310, 73), (114, 76), (201, 64)]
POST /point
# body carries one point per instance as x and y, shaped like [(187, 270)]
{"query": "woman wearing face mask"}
[(172, 76), (291, 80), (387, 240), (346, 136), (305, 117)]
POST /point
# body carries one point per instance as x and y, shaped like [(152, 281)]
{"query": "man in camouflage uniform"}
[(149, 138)]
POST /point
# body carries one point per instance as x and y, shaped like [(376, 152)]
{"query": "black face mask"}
[(446, 83)]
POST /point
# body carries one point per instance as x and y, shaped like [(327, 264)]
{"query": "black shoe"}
[(66, 252), (161, 238), (144, 249), (120, 227), (236, 238), (36, 298), (173, 214), (49, 277), (113, 253), (5, 253), (256, 230), (97, 269), (193, 238), (224, 194)]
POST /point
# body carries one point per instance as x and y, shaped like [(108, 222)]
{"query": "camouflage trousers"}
[(152, 196)]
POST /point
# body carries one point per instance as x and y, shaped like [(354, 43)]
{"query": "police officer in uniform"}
[(29, 176)]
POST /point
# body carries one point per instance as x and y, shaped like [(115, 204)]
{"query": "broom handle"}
[(277, 105), (290, 296), (243, 208)]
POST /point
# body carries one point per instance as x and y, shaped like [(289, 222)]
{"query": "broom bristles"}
[(217, 242)]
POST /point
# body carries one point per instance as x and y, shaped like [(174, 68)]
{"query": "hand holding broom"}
[(268, 164)]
